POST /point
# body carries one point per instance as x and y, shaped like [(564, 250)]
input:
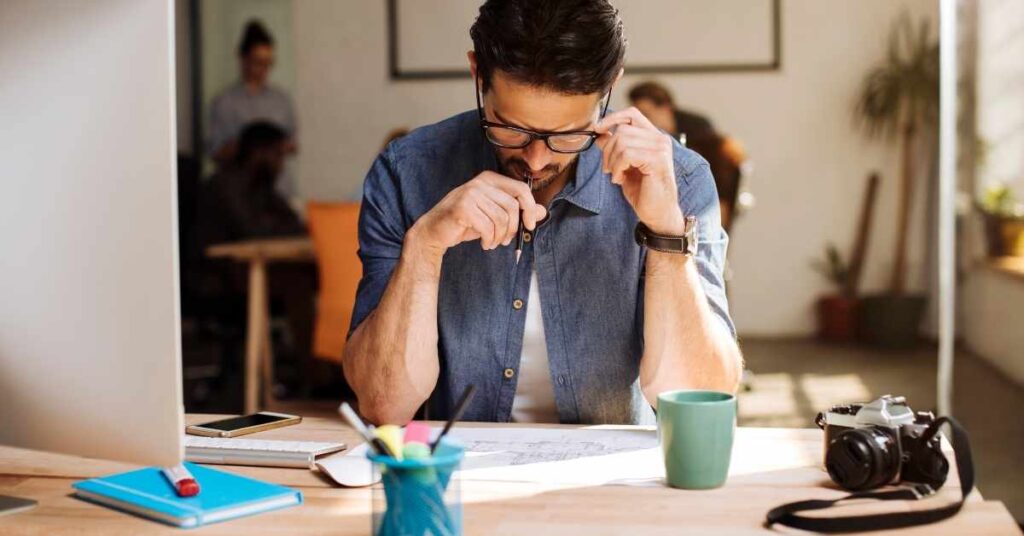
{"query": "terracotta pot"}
[(837, 318), (1004, 235)]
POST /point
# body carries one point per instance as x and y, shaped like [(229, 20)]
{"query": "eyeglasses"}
[(510, 137)]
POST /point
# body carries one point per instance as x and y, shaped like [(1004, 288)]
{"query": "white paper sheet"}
[(582, 456)]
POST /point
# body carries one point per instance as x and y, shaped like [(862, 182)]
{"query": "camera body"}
[(879, 443)]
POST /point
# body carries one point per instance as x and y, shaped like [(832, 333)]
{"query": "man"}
[(656, 103), (588, 326), (241, 202)]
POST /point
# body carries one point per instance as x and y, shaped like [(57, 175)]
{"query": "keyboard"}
[(264, 452)]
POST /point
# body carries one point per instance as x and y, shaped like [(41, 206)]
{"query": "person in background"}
[(240, 202), (656, 103), (725, 155), (251, 99)]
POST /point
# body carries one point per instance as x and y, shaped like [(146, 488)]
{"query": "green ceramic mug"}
[(695, 429)]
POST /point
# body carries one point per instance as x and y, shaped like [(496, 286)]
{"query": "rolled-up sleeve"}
[(381, 231), (698, 197)]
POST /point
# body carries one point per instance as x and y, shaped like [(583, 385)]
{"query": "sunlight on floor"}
[(824, 391), (770, 398), (787, 400)]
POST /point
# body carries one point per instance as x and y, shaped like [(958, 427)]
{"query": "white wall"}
[(993, 302), (1000, 93), (796, 125), (992, 306), (89, 340)]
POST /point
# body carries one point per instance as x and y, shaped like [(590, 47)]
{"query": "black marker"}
[(460, 408)]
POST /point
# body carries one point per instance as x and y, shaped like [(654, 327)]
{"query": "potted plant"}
[(837, 311), (1004, 221), (899, 100)]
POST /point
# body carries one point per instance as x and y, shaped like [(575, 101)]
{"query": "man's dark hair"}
[(575, 47), (255, 35), (652, 91), (256, 136)]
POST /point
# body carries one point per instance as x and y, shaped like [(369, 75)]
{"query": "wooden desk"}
[(258, 350), (770, 466)]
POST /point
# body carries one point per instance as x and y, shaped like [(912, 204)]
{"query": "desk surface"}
[(299, 248), (770, 466)]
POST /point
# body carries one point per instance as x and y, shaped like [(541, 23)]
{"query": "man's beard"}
[(517, 168)]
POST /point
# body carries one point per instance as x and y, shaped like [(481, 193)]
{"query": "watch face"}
[(691, 235)]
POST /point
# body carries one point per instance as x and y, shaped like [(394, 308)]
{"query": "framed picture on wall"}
[(428, 39)]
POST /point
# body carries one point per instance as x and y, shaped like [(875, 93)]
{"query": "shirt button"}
[(527, 237), (509, 373), (517, 304), (561, 380)]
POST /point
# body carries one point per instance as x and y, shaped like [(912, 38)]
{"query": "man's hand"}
[(639, 158), (486, 208)]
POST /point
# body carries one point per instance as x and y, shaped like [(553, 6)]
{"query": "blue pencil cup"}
[(418, 497)]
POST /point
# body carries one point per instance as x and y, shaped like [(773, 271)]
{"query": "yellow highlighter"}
[(391, 435)]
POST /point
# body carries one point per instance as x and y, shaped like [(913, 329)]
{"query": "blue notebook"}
[(222, 495)]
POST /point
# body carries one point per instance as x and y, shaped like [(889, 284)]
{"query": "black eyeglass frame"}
[(534, 135)]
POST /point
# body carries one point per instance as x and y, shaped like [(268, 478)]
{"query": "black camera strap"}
[(786, 514)]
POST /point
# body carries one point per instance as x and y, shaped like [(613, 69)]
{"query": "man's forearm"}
[(685, 345), (391, 360)]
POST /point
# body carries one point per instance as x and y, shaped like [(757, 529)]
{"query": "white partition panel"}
[(89, 337)]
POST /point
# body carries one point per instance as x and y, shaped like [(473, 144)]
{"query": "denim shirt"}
[(590, 270)]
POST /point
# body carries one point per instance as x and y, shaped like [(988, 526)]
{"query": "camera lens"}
[(863, 458)]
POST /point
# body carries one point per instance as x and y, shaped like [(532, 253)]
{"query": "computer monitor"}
[(89, 328)]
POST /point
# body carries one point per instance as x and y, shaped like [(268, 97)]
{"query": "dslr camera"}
[(879, 443)]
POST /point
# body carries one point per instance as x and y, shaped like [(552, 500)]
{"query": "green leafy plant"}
[(833, 267), (898, 99), (999, 200)]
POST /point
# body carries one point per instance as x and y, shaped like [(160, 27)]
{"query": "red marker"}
[(182, 480)]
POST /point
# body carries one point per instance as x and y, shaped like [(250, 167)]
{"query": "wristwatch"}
[(684, 245)]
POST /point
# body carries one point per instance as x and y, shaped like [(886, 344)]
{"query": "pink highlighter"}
[(418, 432)]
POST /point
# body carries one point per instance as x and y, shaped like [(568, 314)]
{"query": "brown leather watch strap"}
[(682, 245)]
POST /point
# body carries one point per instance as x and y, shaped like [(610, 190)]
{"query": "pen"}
[(181, 480), (460, 408), (522, 228), (375, 442)]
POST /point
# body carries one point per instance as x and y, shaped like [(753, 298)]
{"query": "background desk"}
[(770, 466), (258, 350)]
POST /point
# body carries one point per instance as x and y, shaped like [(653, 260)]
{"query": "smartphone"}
[(13, 505), (246, 424)]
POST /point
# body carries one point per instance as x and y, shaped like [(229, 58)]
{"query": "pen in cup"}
[(460, 408), (353, 419)]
